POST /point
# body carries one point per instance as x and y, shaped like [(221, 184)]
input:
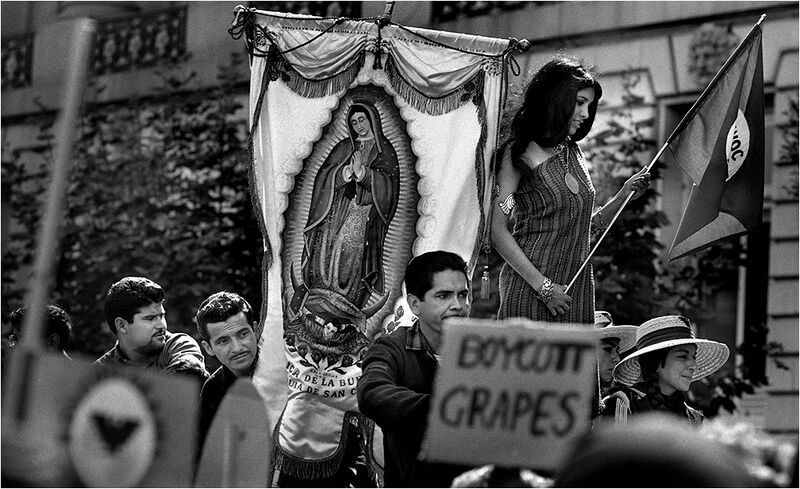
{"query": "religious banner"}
[(518, 392), (371, 143)]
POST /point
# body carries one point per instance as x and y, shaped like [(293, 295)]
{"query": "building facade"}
[(674, 46)]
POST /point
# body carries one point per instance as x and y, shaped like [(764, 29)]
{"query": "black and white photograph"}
[(400, 243)]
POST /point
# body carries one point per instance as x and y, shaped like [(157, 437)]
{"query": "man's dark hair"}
[(126, 297), (549, 104), (422, 268), (219, 307), (58, 323)]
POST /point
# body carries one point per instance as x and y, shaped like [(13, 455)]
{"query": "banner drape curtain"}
[(449, 90)]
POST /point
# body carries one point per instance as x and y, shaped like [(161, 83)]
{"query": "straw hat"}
[(666, 332), (606, 329), (626, 334)]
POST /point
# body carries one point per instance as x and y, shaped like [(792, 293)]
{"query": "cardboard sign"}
[(236, 452), (78, 424), (512, 393)]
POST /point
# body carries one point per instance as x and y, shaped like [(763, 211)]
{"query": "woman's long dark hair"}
[(549, 104)]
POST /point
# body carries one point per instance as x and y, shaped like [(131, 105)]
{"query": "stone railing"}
[(447, 11), (17, 54), (140, 41), (321, 9)]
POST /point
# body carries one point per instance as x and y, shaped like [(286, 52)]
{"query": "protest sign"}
[(513, 393), (79, 424), (236, 452)]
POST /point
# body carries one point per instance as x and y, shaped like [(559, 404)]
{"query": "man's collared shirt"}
[(415, 340), (181, 353)]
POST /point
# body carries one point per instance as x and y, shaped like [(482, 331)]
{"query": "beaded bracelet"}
[(548, 289)]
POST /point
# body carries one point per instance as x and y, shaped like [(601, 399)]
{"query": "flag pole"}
[(680, 127), (613, 220), (714, 81)]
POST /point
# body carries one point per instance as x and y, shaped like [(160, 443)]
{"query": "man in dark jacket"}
[(227, 328), (398, 370)]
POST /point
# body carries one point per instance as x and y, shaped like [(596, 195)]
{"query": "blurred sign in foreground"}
[(79, 424), (236, 452)]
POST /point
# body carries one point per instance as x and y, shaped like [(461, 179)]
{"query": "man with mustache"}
[(398, 370), (227, 329), (134, 310)]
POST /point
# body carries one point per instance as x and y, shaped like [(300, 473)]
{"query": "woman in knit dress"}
[(545, 191)]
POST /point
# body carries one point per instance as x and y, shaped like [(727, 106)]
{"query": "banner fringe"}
[(432, 106), (367, 427), (480, 170), (322, 88), (319, 468)]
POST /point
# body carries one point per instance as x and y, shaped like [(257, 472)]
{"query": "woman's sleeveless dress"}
[(552, 227)]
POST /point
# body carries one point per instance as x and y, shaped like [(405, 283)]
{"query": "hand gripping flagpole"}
[(613, 220), (678, 129)]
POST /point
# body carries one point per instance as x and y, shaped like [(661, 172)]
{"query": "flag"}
[(720, 145), (369, 145)]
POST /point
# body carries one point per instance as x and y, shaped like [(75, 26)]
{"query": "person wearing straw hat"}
[(613, 339), (668, 358)]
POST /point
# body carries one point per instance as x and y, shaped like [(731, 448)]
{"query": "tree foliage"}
[(158, 188), (626, 262)]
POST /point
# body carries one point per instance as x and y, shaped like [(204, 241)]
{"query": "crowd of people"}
[(542, 221), (661, 360)]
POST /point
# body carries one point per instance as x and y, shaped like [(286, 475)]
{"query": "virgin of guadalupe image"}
[(354, 199)]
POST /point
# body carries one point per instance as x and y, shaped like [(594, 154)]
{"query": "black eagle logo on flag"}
[(115, 432)]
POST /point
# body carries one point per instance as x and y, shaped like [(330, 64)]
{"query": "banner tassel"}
[(486, 285)]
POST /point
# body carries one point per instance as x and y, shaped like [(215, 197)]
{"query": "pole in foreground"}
[(48, 238)]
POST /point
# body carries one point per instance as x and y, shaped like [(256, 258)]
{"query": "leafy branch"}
[(158, 188)]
